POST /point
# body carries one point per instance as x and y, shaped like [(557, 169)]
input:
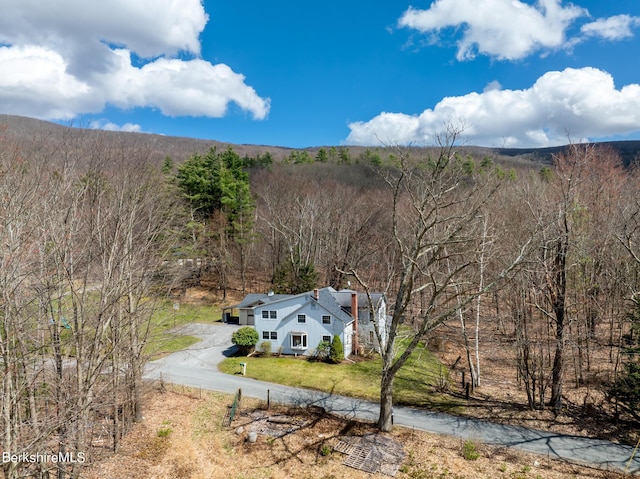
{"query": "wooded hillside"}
[(95, 225)]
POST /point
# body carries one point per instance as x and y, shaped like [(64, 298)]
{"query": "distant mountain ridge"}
[(629, 151), (180, 148)]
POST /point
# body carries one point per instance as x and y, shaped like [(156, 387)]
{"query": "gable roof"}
[(326, 301), (336, 303), (272, 298)]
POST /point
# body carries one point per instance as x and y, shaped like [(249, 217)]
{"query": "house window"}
[(265, 315), (269, 314), (302, 318), (265, 334), (274, 335), (298, 340), (326, 339), (326, 319), (270, 335)]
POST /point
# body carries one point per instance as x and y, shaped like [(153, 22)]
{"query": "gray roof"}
[(255, 299), (337, 303), (343, 297), (326, 300)]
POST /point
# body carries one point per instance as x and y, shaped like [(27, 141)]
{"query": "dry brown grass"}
[(199, 447), (501, 399)]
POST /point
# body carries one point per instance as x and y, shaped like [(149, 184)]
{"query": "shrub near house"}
[(336, 353), (245, 338)]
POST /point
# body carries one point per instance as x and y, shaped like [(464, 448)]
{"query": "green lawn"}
[(162, 340), (415, 384)]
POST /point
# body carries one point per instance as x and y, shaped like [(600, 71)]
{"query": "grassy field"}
[(417, 383), (163, 339)]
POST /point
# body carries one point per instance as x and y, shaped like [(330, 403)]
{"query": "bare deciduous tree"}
[(566, 274), (437, 240), (82, 229)]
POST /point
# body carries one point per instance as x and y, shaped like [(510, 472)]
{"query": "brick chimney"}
[(354, 313), (316, 294)]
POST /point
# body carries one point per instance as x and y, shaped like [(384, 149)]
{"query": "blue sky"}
[(506, 72)]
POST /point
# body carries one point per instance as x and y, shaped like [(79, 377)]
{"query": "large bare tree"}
[(438, 242)]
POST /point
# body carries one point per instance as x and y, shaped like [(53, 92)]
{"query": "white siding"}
[(287, 324), (366, 327), (347, 340), (381, 316)]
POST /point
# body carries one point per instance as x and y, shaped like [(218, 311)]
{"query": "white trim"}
[(303, 340)]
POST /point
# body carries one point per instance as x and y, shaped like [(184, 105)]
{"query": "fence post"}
[(234, 407)]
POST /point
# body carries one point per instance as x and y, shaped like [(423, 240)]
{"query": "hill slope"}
[(180, 148)]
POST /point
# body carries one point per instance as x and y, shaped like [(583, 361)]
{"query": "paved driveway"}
[(197, 367)]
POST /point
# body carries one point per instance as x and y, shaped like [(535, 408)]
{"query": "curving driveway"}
[(197, 367)]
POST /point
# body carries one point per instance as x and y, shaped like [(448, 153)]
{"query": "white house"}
[(296, 324)]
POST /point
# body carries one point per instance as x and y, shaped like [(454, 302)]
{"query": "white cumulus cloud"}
[(613, 28), (70, 57), (504, 29), (204, 89), (577, 103), (110, 126)]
